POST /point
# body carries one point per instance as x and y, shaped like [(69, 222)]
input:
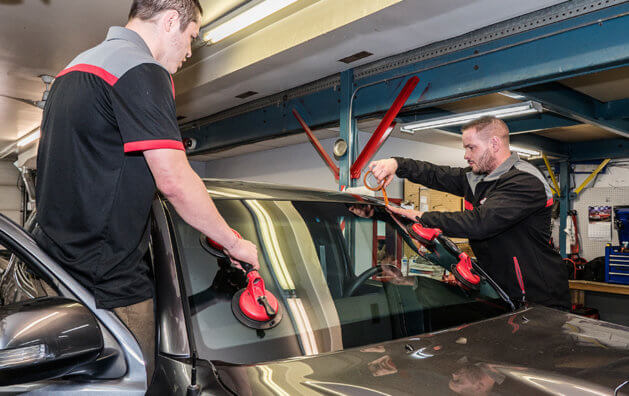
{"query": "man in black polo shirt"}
[(109, 140)]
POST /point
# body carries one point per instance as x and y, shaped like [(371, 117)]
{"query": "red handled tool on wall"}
[(254, 306)]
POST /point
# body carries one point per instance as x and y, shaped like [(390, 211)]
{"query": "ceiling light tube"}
[(508, 111), (29, 138), (244, 19), (524, 152)]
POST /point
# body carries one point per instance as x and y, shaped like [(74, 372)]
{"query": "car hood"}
[(532, 351)]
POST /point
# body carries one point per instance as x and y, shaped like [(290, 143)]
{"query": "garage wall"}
[(608, 189), (300, 165), (10, 197)]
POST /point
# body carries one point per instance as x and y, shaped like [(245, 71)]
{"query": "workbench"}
[(579, 287)]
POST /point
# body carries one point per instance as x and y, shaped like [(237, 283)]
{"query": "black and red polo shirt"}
[(94, 187)]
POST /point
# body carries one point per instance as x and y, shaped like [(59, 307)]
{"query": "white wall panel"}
[(10, 197), (8, 173), (300, 165)]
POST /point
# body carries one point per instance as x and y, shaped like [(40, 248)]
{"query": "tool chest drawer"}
[(616, 265)]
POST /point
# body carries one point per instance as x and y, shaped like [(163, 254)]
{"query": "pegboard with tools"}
[(599, 196)]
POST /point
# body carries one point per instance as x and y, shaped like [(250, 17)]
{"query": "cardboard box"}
[(425, 199)]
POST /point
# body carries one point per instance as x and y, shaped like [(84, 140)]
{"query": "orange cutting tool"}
[(378, 187)]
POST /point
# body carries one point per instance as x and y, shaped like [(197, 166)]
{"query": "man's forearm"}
[(193, 203), (185, 190), (442, 178)]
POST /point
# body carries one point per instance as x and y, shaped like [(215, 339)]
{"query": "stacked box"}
[(425, 199)]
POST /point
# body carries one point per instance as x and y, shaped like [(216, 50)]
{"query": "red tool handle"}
[(255, 285), (255, 301), (429, 234)]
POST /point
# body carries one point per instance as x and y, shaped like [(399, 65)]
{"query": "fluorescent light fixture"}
[(31, 137), (524, 152), (244, 19), (508, 111)]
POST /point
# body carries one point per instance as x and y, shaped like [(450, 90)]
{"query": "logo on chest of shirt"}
[(482, 201)]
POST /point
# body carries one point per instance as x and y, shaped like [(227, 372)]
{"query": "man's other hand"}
[(408, 213), (384, 170), (365, 211), (244, 251)]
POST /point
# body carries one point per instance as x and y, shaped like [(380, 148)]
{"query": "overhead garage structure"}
[(571, 58), (341, 293), (340, 66)]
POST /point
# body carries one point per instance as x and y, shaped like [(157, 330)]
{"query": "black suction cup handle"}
[(267, 307), (246, 266)]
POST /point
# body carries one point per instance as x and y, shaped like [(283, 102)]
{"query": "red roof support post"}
[(317, 146), (384, 129)]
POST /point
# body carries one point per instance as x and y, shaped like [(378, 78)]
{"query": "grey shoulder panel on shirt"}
[(473, 179), (114, 56), (526, 167)]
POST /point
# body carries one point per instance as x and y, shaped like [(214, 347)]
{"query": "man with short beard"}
[(507, 212)]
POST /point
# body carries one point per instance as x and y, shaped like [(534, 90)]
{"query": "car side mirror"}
[(46, 338)]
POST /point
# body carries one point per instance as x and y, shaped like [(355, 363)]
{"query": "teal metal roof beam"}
[(616, 109), (568, 102), (595, 150), (581, 43)]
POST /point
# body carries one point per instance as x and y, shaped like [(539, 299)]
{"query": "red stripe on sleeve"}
[(468, 205), (144, 145), (172, 82), (549, 202), (97, 71)]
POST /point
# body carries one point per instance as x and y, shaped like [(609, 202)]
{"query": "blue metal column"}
[(564, 202), (348, 133), (348, 128)]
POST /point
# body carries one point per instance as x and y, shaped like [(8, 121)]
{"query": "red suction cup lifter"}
[(423, 234), (429, 234), (255, 302), (463, 269), (463, 272)]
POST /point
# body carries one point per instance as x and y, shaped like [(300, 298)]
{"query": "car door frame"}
[(114, 331)]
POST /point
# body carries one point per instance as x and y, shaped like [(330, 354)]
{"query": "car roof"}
[(239, 189)]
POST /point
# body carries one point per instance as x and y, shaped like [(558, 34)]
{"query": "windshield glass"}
[(312, 256)]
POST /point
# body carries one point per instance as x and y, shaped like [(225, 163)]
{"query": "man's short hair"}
[(487, 124), (188, 10)]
